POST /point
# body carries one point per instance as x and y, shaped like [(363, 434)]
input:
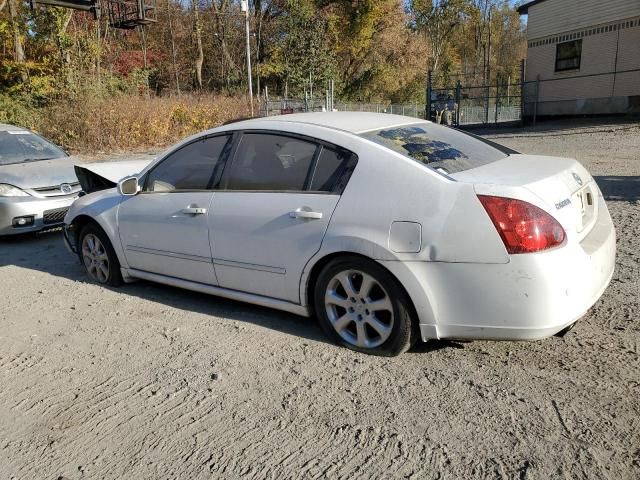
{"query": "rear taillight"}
[(524, 228)]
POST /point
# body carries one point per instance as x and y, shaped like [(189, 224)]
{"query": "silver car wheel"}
[(95, 258), (359, 309)]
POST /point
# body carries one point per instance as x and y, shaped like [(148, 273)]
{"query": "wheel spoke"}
[(368, 283), (362, 339), (381, 304), (104, 270), (345, 281), (332, 298), (378, 326), (343, 322)]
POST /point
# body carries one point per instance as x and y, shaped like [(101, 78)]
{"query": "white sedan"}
[(389, 229)]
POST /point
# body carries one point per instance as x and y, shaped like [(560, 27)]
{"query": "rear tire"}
[(98, 257), (361, 306)]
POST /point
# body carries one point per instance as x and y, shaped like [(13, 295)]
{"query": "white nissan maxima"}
[(389, 229)]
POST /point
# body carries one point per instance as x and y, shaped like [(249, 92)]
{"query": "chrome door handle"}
[(194, 211), (305, 212)]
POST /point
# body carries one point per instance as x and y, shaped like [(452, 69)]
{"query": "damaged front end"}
[(94, 177)]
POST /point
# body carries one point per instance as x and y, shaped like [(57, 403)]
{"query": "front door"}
[(271, 214), (165, 228)]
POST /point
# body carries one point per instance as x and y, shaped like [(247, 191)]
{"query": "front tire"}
[(98, 257), (361, 306)]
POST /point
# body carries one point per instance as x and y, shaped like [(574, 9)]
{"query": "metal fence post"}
[(497, 101), (487, 92), (427, 111), (535, 105), (523, 98), (458, 102)]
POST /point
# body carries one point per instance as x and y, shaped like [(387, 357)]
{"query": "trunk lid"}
[(562, 183)]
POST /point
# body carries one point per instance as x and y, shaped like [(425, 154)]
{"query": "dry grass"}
[(134, 123)]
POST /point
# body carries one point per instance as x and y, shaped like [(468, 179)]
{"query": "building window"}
[(568, 55)]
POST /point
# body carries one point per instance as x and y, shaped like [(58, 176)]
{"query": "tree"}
[(438, 19), (199, 51), (16, 28)]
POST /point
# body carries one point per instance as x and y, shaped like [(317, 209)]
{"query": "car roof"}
[(11, 128), (353, 122)]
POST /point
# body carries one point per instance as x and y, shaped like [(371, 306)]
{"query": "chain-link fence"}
[(475, 105), (499, 103), (283, 106), (458, 105), (407, 109)]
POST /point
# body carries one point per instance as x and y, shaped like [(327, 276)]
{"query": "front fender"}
[(102, 208)]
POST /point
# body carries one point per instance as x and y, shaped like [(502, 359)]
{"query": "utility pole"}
[(245, 8)]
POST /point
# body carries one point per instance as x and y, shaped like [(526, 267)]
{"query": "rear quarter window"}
[(441, 148)]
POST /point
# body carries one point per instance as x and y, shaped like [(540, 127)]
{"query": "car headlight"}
[(11, 191)]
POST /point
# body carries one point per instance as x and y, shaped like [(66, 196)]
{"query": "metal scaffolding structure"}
[(126, 14)]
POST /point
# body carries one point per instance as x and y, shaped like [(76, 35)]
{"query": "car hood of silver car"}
[(41, 173)]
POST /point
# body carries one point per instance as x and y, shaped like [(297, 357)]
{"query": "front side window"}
[(190, 168), (271, 162), (18, 146), (568, 55), (439, 147)]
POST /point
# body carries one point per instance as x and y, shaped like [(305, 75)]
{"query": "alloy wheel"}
[(95, 258), (359, 308)]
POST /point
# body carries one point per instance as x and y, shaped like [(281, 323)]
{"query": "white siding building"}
[(583, 56)]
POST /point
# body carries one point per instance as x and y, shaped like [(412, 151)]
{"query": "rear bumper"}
[(532, 297), (13, 207)]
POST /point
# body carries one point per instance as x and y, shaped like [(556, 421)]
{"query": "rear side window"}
[(439, 147), (190, 168), (271, 162), (332, 170)]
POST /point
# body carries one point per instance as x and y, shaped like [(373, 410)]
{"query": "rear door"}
[(272, 211), (164, 229)]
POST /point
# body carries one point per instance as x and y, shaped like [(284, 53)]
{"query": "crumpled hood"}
[(43, 173), (100, 176)]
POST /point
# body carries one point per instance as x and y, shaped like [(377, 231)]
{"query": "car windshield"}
[(441, 148), (20, 146)]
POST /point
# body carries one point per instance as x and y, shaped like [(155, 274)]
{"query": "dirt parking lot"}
[(153, 382)]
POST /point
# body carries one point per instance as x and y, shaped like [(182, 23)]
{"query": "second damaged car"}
[(37, 182)]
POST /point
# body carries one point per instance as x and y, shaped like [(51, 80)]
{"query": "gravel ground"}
[(154, 382)]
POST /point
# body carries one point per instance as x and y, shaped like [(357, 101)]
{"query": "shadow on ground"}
[(45, 252), (619, 188)]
